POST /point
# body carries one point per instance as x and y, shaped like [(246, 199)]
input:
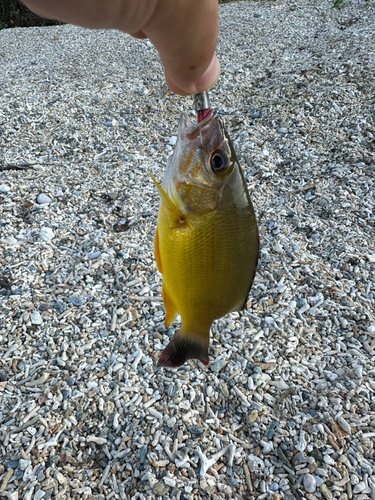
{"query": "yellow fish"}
[(206, 241)]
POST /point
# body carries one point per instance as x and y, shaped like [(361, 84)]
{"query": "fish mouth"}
[(194, 143), (190, 131)]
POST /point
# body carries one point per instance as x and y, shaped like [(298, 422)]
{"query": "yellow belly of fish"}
[(207, 266)]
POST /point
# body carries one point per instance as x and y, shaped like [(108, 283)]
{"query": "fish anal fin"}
[(157, 251), (183, 347), (170, 308)]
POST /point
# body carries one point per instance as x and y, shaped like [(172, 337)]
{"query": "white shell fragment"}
[(43, 199), (285, 409), (36, 318), (46, 234)]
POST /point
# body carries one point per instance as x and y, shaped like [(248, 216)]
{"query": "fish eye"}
[(219, 161)]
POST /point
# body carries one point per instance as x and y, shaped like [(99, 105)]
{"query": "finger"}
[(205, 82), (185, 34)]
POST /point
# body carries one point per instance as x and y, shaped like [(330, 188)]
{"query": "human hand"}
[(183, 31)]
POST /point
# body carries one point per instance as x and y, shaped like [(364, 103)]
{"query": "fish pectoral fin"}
[(157, 251), (177, 219), (170, 308), (182, 347)]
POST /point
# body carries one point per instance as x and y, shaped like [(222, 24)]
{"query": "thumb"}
[(182, 87), (185, 33)]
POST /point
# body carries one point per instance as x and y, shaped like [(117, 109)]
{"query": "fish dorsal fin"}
[(176, 217)]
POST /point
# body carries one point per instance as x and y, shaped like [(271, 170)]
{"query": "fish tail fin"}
[(182, 347)]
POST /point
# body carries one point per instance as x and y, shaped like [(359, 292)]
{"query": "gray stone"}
[(309, 483), (94, 255), (218, 365), (23, 464), (39, 494), (326, 492), (77, 301), (344, 425), (43, 199), (36, 318), (194, 429), (160, 488)]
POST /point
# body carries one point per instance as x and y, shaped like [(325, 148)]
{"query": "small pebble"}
[(43, 199), (39, 494), (210, 391), (218, 365), (319, 481), (160, 488), (326, 492), (46, 234), (94, 255), (23, 464), (354, 479), (60, 478), (59, 306), (193, 429), (77, 301), (359, 487), (95, 439), (12, 464), (267, 446), (170, 482), (309, 483), (36, 318), (344, 425), (252, 417), (281, 385), (328, 460), (301, 303)]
